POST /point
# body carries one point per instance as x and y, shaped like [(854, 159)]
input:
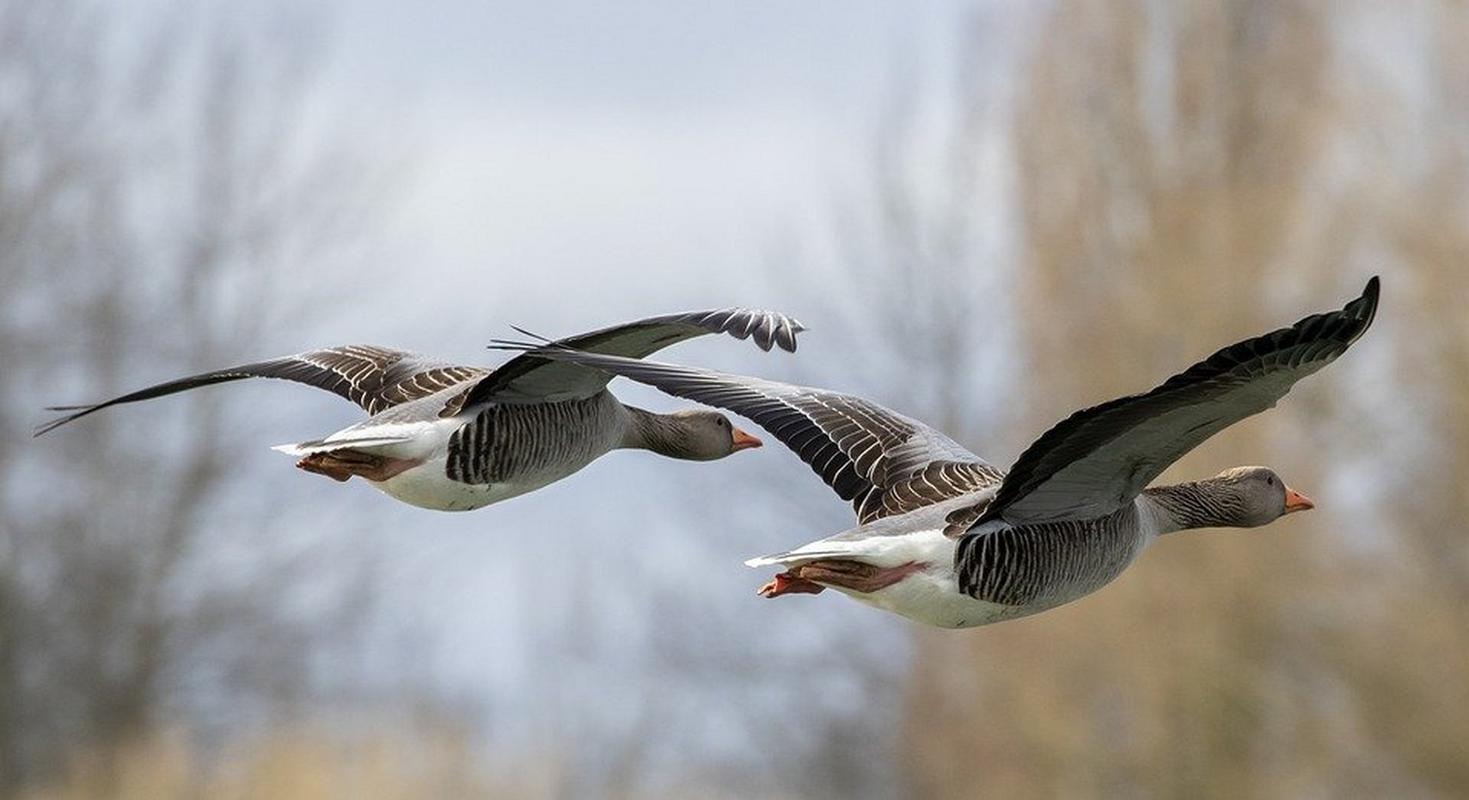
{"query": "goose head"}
[(700, 435), (1248, 497)]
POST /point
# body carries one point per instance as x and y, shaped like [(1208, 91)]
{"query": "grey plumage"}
[(377, 378), (373, 378), (1100, 458), (1194, 504), (1237, 381), (523, 441), (532, 377), (456, 437), (1067, 518), (883, 462), (1046, 565)]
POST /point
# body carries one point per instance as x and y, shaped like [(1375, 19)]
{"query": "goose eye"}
[(1270, 480)]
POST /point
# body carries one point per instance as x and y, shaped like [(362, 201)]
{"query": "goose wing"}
[(375, 378), (1100, 458), (533, 378), (883, 462)]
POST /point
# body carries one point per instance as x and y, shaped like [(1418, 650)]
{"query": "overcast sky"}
[(658, 144)]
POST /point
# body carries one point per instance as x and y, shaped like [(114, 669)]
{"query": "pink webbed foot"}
[(788, 583), (341, 465), (323, 466)]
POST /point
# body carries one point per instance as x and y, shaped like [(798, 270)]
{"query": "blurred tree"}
[(1190, 174), (153, 188)]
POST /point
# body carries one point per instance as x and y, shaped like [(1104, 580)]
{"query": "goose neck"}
[(660, 433), (1188, 506)]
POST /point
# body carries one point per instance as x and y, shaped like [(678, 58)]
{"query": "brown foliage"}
[(379, 762)]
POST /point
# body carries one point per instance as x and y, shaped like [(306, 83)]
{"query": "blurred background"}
[(990, 214)]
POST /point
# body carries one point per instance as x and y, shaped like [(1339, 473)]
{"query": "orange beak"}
[(1295, 501), (743, 441)]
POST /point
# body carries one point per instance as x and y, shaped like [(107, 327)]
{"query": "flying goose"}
[(946, 538), (453, 438)]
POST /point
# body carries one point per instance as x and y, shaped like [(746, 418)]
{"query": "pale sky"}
[(661, 144)]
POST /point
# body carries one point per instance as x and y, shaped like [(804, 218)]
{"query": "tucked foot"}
[(341, 465), (788, 583), (856, 576), (319, 464)]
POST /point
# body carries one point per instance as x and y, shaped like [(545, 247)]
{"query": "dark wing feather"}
[(375, 378), (883, 462), (531, 378), (1099, 459)]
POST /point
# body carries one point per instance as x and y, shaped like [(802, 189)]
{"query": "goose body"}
[(1019, 571), (453, 438), (947, 539), (1064, 562), (928, 594), (483, 456)]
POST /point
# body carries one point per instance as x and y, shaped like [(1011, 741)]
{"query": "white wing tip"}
[(763, 561), (292, 449)]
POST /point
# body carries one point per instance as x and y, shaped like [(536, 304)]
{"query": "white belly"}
[(935, 599), (569, 440), (429, 486)]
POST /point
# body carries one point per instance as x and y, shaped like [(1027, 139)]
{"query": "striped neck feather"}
[(661, 433), (1197, 504)]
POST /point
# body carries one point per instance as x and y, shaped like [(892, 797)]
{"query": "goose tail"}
[(793, 557), (303, 449), (858, 548)]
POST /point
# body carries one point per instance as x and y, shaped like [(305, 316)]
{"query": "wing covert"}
[(884, 463)]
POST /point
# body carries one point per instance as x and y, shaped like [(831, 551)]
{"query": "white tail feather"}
[(794, 557), (300, 449), (883, 550)]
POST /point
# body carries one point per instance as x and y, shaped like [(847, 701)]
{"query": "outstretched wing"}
[(531, 378), (1099, 459), (882, 461), (374, 378)]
